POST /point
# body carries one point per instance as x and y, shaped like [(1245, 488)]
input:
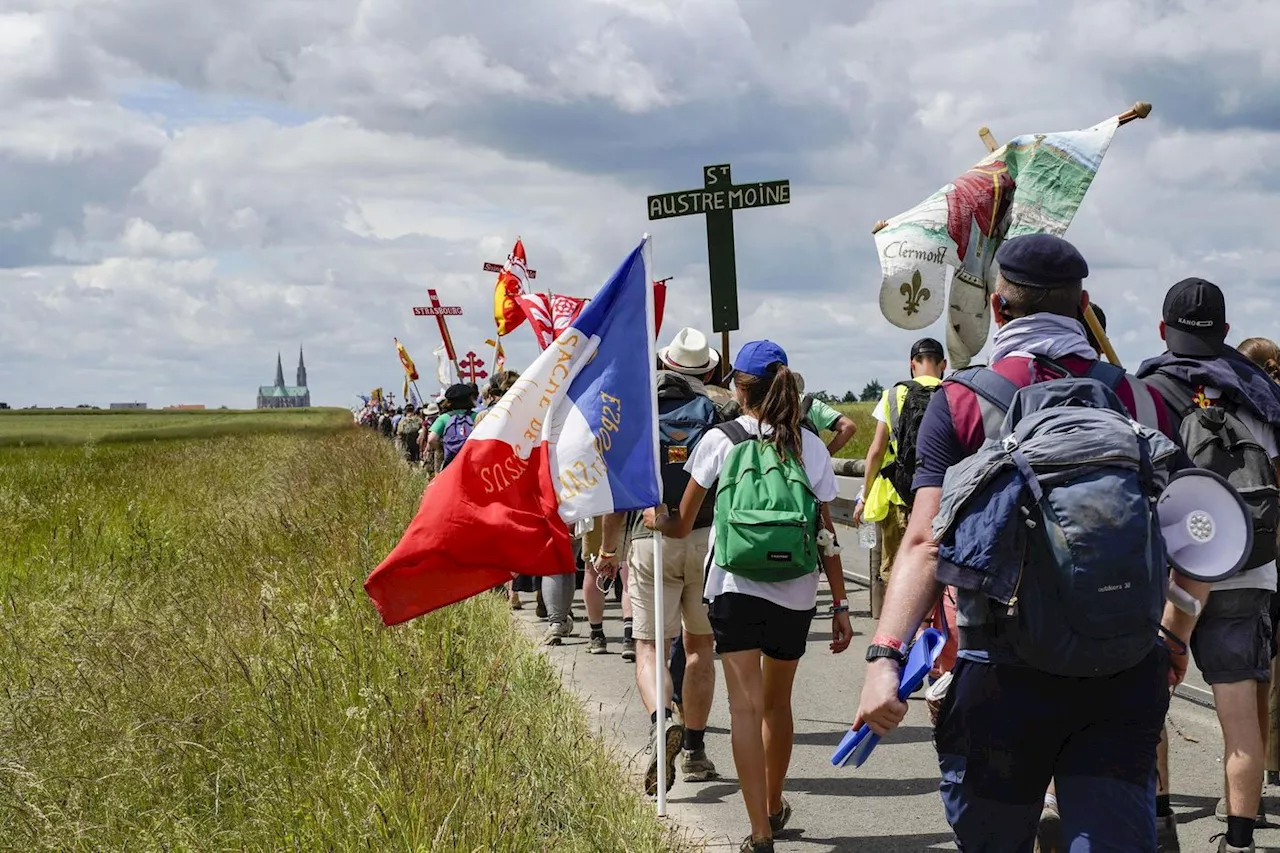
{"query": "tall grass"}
[(190, 664), (39, 428), (861, 415)]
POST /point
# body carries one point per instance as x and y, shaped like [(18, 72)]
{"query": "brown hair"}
[(775, 400), (1264, 353)]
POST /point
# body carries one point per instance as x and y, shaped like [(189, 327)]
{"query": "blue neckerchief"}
[(1239, 379)]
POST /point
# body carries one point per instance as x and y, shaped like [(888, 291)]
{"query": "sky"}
[(190, 189)]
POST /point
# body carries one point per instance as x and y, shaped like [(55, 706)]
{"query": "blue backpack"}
[(456, 433), (684, 417), (1054, 521)]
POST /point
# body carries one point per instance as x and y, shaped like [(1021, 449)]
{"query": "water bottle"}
[(867, 535)]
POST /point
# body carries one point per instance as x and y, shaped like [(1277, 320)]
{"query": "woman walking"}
[(762, 582)]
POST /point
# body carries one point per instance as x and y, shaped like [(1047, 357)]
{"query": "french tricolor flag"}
[(575, 438)]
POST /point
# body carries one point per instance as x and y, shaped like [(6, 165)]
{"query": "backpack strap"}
[(1175, 394), (994, 393), (1106, 373), (737, 432)]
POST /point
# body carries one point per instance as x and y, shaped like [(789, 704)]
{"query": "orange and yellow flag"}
[(507, 313), (410, 372)]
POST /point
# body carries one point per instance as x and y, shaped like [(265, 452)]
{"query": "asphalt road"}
[(891, 803)]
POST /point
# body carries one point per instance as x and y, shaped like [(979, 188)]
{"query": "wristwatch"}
[(877, 652)]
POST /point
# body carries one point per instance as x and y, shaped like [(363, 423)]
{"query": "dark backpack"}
[(684, 417), (1054, 521), (385, 426), (456, 432), (806, 404), (1218, 441), (904, 427)]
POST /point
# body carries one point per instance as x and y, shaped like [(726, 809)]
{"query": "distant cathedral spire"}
[(302, 370), (279, 372)]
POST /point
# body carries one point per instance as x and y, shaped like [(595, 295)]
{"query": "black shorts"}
[(1232, 639), (743, 622)]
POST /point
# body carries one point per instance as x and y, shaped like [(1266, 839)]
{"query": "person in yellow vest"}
[(896, 424)]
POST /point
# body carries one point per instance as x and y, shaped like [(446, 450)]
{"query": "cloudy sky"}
[(187, 188)]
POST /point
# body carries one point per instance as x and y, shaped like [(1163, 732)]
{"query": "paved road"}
[(887, 806)]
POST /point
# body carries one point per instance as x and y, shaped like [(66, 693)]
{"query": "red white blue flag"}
[(575, 438)]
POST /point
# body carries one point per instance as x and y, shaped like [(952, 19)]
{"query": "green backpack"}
[(766, 518)]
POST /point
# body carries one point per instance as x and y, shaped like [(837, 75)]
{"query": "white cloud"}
[(311, 168)]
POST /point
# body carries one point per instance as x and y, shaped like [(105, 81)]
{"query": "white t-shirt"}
[(704, 467), (1263, 577)]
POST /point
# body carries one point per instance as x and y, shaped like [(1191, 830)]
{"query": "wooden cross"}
[(470, 366), (440, 312), (718, 199), (491, 267)]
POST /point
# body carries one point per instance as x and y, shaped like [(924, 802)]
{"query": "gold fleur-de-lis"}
[(916, 292)]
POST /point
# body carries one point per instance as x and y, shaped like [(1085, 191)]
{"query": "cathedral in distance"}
[(281, 396)]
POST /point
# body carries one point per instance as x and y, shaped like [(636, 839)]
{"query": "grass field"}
[(191, 664), (37, 427), (861, 414)]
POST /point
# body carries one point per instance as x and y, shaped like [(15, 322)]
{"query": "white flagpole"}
[(659, 675)]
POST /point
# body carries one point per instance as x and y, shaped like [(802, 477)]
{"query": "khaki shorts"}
[(892, 529), (682, 582)]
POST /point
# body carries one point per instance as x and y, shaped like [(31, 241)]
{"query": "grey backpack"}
[(1218, 441)]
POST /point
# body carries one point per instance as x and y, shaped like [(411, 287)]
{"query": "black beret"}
[(1041, 260)]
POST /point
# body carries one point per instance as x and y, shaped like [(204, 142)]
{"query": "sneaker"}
[(1224, 847), (540, 610), (597, 645), (778, 822), (557, 631), (1049, 833), (1167, 834), (629, 649), (696, 767), (675, 737), (1221, 812), (751, 845)]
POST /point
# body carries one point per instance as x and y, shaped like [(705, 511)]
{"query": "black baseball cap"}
[(1195, 318), (927, 346)]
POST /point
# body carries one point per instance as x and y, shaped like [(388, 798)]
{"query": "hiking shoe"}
[(515, 603), (1049, 833), (597, 645), (1167, 834), (677, 711), (541, 609), (629, 649), (696, 767), (1221, 812), (751, 845), (778, 822), (1224, 847), (675, 737)]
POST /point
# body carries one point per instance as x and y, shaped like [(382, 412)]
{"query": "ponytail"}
[(775, 401)]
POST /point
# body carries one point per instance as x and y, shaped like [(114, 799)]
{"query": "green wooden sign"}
[(717, 200)]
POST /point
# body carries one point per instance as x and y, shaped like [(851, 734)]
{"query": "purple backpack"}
[(456, 433)]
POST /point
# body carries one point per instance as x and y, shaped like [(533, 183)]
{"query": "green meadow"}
[(191, 663)]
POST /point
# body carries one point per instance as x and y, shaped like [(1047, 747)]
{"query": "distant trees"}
[(849, 397), (871, 391)]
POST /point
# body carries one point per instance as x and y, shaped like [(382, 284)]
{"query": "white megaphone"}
[(1208, 533)]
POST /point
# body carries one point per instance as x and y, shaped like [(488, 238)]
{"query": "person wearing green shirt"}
[(879, 502), (825, 418), (460, 400)]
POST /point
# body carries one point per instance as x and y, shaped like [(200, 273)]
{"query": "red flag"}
[(507, 314), (537, 307), (659, 303), (564, 310)]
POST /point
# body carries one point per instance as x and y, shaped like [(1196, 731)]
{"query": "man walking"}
[(880, 501), (685, 414), (1012, 719), (1229, 411)]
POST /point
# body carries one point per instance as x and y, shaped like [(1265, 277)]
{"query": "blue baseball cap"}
[(756, 356)]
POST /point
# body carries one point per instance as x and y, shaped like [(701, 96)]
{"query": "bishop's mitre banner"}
[(1033, 184)]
